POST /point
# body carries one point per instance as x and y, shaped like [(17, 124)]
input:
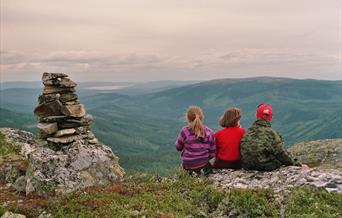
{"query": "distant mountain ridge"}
[(142, 128)]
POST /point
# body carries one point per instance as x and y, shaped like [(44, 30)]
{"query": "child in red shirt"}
[(228, 140)]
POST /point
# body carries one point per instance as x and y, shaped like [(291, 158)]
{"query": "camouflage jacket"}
[(262, 148)]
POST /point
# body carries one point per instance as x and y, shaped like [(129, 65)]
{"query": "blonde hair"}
[(194, 116), (230, 117)]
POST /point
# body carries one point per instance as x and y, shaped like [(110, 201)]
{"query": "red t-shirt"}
[(228, 143)]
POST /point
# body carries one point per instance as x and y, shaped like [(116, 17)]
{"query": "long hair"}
[(194, 116), (230, 117)]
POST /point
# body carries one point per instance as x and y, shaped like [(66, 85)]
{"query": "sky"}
[(135, 40)]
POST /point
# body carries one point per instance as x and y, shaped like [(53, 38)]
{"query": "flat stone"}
[(53, 118), (60, 82), (68, 97), (77, 110), (71, 123), (64, 132), (53, 76), (82, 130), (93, 141), (48, 128), (71, 103), (48, 98), (90, 135), (53, 89), (48, 109), (64, 139), (88, 117), (66, 82)]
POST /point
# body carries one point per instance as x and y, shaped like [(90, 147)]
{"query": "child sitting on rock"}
[(228, 140), (262, 147), (196, 142)]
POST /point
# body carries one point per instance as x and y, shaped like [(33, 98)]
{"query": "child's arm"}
[(212, 146), (281, 154), (180, 141)]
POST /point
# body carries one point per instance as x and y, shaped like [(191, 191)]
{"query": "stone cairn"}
[(62, 119)]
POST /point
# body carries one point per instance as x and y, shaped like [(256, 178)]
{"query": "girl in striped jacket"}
[(196, 142)]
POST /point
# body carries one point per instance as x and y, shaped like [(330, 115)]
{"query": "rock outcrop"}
[(67, 156), (326, 153), (279, 180)]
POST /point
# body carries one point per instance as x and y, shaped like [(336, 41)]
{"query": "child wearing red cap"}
[(262, 147)]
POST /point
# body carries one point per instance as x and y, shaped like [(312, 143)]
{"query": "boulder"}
[(72, 168), (77, 110), (48, 128), (12, 215), (48, 109)]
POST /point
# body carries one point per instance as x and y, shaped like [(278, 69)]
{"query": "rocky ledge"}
[(279, 180), (66, 156), (39, 169)]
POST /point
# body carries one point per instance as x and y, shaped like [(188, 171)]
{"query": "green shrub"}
[(249, 203), (180, 196), (2, 210), (313, 202)]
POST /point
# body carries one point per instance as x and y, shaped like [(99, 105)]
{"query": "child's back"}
[(228, 140), (228, 143), (196, 152), (196, 142)]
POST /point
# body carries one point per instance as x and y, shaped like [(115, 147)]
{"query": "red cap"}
[(264, 112)]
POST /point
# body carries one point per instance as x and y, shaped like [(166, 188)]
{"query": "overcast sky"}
[(140, 40)]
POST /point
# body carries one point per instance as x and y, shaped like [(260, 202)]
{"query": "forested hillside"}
[(141, 129)]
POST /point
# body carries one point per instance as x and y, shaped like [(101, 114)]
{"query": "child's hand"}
[(212, 161), (306, 167)]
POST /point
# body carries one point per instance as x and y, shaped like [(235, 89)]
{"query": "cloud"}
[(128, 66)]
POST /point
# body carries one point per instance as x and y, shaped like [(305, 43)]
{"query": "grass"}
[(311, 202), (2, 210), (177, 196)]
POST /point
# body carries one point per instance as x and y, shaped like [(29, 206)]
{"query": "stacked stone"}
[(62, 119)]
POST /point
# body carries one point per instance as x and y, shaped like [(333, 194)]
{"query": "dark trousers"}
[(205, 170), (224, 164)]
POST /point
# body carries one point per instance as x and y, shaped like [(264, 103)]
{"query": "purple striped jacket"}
[(196, 152)]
